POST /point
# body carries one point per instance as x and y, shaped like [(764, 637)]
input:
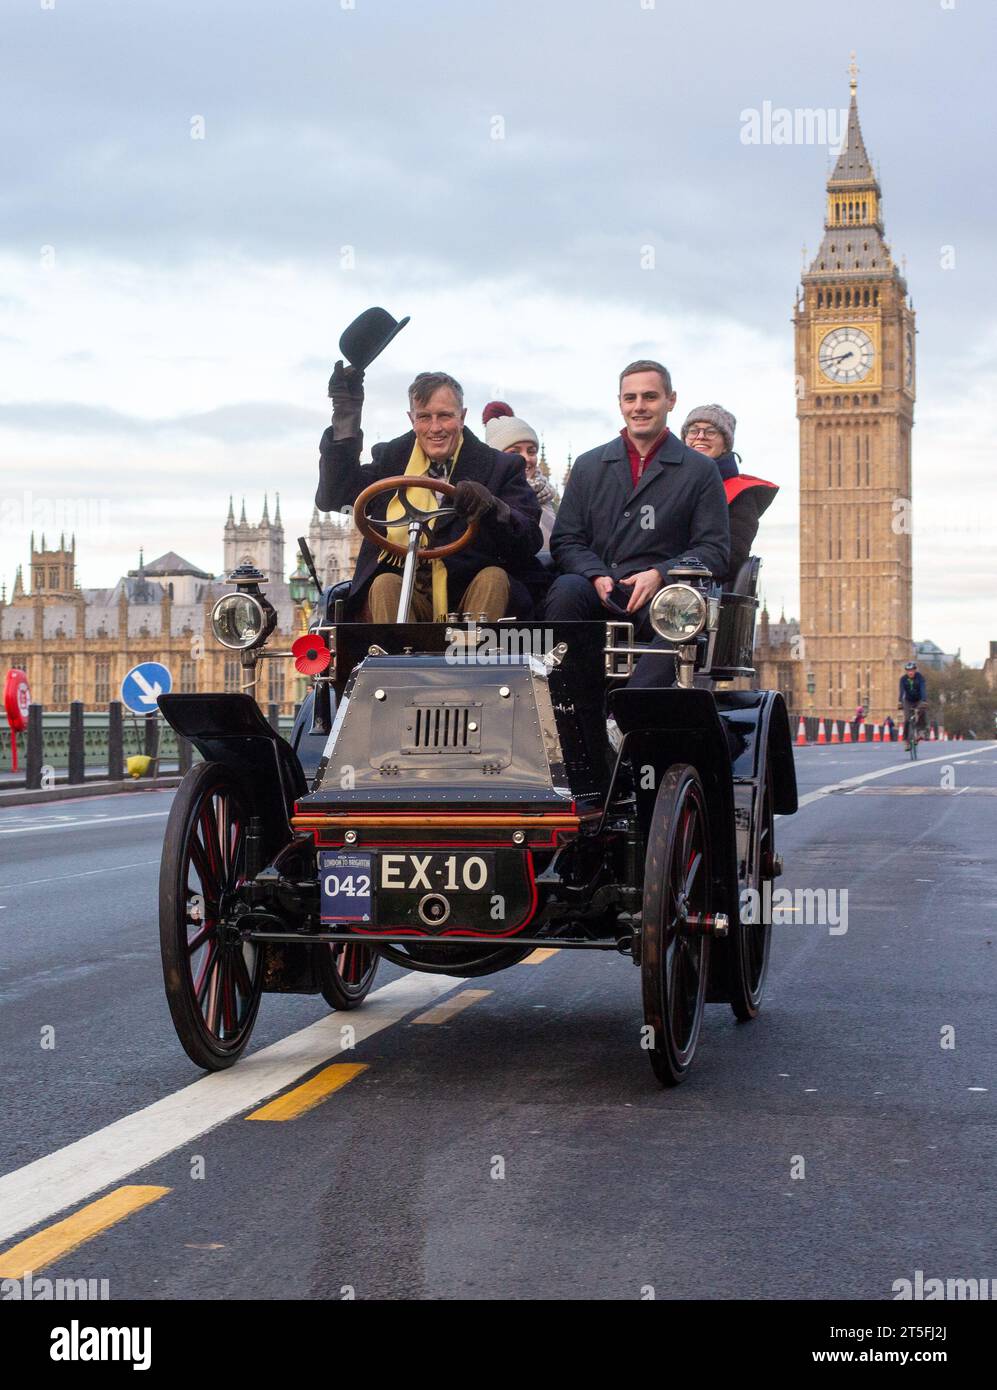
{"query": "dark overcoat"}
[(606, 526), (510, 544)]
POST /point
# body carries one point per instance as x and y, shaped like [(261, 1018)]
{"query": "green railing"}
[(55, 739)]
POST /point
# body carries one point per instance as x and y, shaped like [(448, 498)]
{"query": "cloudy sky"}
[(170, 306)]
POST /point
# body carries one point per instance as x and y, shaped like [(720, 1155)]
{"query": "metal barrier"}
[(71, 741)]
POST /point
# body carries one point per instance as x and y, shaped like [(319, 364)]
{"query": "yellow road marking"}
[(310, 1093), (538, 956), (441, 1013), (55, 1241)]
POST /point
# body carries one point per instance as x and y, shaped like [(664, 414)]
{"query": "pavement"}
[(504, 1137)]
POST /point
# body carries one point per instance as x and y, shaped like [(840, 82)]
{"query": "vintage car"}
[(455, 795)]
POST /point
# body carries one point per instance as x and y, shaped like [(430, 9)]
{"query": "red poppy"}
[(310, 653)]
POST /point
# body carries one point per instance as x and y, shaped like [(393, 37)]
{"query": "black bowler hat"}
[(368, 335)]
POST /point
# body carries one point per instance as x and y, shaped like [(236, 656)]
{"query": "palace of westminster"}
[(855, 373)]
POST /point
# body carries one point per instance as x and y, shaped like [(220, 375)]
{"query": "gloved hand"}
[(346, 394), (474, 501)]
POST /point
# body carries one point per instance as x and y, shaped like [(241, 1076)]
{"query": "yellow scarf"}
[(426, 501)]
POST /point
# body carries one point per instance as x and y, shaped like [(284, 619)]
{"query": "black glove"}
[(346, 394), (473, 500)]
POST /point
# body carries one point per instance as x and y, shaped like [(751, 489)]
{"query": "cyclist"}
[(913, 696)]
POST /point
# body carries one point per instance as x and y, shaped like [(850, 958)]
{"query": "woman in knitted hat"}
[(505, 431), (709, 429)]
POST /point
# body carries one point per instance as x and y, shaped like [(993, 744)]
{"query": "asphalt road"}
[(519, 1147)]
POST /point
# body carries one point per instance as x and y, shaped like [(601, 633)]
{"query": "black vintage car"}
[(455, 795)]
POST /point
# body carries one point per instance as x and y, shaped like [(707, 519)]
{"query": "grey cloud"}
[(245, 422), (327, 127)]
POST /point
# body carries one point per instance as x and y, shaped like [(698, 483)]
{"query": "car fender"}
[(666, 726), (230, 729)]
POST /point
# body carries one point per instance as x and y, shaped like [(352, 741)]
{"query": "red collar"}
[(637, 462)]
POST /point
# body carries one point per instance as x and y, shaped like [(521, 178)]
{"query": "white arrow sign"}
[(150, 693)]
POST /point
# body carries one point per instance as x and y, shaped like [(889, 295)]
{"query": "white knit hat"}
[(503, 430)]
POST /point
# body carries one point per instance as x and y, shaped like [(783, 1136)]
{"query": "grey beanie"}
[(715, 415), (503, 430)]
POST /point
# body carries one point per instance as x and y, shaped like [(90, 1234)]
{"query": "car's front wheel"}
[(213, 979)]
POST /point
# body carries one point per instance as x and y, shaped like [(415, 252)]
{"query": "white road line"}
[(33, 1194), (70, 824), (880, 772), (87, 873)]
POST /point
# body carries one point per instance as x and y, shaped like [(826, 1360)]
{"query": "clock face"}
[(845, 355), (909, 360)]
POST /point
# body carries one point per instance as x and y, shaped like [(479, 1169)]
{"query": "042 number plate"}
[(441, 872), (346, 879)]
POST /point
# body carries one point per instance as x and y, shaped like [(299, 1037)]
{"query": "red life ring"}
[(16, 699)]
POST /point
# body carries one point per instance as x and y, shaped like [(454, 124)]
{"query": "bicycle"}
[(913, 722)]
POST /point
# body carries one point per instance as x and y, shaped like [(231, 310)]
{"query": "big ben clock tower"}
[(855, 403)]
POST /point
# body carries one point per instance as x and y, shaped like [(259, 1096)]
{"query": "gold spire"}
[(853, 73)]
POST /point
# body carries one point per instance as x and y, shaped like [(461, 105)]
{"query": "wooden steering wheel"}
[(367, 524)]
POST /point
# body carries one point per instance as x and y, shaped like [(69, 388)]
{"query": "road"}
[(517, 1147)]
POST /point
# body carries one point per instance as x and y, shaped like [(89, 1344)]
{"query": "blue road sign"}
[(143, 685)]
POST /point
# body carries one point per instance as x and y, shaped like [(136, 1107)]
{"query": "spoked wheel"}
[(677, 900), (345, 973), (213, 980), (749, 945)]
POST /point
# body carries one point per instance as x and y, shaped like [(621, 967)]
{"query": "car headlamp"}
[(239, 621), (678, 613)]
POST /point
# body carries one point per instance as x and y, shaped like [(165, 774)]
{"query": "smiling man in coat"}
[(634, 507), (495, 574)]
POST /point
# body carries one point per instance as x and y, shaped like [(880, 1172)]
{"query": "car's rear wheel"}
[(677, 900), (750, 944), (213, 979), (345, 973)]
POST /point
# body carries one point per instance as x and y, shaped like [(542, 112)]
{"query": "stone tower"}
[(855, 376), (335, 543), (53, 572), (263, 543)]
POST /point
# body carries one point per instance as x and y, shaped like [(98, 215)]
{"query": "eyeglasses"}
[(708, 433)]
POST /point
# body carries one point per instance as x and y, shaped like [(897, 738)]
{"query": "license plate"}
[(346, 879), (410, 871)]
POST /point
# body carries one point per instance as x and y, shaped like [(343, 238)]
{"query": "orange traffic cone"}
[(848, 733), (877, 737), (862, 738), (835, 736), (821, 735), (801, 734), (932, 736)]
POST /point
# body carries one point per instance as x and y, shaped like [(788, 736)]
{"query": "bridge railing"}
[(89, 744)]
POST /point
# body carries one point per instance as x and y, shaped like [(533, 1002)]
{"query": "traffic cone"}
[(821, 735), (801, 734), (932, 736), (877, 737), (835, 736), (862, 738), (848, 733)]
